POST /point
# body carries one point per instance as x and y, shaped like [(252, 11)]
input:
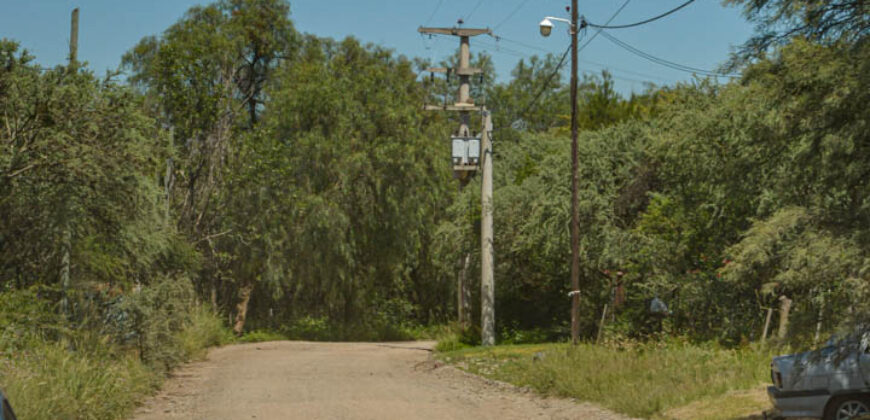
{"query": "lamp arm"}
[(559, 20)]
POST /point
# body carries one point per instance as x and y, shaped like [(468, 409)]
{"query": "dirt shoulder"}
[(303, 380)]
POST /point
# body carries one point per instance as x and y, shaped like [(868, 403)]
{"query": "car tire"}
[(848, 408)]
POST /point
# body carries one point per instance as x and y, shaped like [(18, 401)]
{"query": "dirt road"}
[(301, 380)]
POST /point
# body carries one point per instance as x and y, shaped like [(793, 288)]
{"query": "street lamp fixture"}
[(547, 24), (546, 27)]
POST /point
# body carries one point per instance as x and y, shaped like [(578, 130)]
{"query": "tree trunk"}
[(242, 308)]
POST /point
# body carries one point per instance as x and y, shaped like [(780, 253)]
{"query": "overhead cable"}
[(613, 16), (662, 61), (468, 16), (437, 6), (643, 22), (547, 82), (511, 14)]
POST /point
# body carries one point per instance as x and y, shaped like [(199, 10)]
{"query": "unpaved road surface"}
[(302, 380)]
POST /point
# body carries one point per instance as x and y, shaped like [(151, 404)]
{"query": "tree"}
[(206, 76), (779, 21)]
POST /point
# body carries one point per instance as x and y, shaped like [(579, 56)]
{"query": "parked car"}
[(832, 383), (6, 412)]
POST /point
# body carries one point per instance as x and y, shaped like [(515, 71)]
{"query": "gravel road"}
[(303, 380)]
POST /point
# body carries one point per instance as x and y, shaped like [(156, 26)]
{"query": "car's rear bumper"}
[(804, 403)]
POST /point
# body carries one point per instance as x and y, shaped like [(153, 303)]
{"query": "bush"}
[(204, 330)]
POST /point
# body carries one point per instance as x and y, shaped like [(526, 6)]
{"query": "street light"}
[(547, 24), (546, 28)]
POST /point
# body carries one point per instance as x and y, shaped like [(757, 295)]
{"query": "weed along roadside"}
[(667, 380)]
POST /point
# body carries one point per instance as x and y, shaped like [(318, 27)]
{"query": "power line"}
[(505, 50), (606, 23), (501, 38), (432, 16), (662, 61), (547, 82), (468, 16), (516, 53), (511, 14), (643, 22), (522, 44)]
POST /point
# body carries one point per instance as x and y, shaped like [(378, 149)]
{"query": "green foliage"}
[(348, 181), (779, 21), (78, 164), (203, 331), (260, 336)]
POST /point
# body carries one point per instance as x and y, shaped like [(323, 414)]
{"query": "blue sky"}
[(700, 35)]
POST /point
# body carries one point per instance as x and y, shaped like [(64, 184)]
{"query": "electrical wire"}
[(547, 82), (662, 61), (511, 14), (468, 16), (643, 22), (494, 48), (432, 16), (613, 16)]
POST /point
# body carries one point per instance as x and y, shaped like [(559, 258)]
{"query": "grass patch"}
[(735, 405), (50, 382), (641, 380), (87, 376), (259, 336)]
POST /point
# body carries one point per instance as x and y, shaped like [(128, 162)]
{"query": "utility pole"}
[(466, 160), (74, 38), (487, 281), (575, 213), (67, 232)]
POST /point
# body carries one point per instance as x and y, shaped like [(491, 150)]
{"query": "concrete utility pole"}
[(487, 282), (467, 154)]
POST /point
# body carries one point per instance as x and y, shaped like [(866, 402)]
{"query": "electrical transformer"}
[(466, 151)]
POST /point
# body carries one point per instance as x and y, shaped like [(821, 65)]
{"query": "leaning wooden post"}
[(601, 324), (784, 308), (766, 325)]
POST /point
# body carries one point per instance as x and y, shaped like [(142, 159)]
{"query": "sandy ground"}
[(302, 380)]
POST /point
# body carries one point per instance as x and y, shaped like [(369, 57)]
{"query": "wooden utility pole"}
[(67, 230), (487, 282), (478, 152), (74, 38), (575, 212)]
